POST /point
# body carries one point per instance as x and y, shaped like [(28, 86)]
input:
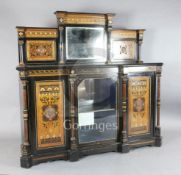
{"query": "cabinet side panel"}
[(139, 105), (50, 114)]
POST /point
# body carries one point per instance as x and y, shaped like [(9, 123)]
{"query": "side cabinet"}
[(85, 89), (140, 106), (45, 116)]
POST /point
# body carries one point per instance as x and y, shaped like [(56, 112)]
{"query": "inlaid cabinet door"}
[(49, 114), (139, 105)]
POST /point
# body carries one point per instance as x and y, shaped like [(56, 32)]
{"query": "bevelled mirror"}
[(85, 43)]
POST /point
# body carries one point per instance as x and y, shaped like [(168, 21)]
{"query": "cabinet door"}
[(49, 115), (139, 105), (97, 117)]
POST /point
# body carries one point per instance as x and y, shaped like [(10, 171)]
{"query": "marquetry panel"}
[(41, 50), (123, 50), (139, 105), (28, 32), (122, 34), (50, 113), (81, 18)]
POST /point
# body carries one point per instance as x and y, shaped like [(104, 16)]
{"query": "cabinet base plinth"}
[(26, 161), (31, 160), (73, 155), (158, 141), (158, 138), (124, 148), (157, 131)]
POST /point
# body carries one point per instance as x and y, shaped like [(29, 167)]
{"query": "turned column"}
[(158, 100), (25, 146), (21, 56), (74, 154), (139, 43), (157, 127), (109, 28), (61, 45), (123, 111)]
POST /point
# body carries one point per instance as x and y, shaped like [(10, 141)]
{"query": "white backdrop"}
[(161, 19)]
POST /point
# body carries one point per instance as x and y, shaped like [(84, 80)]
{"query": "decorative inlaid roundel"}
[(139, 104), (50, 113)]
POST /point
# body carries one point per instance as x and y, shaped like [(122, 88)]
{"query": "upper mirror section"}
[(85, 43), (83, 36), (80, 38)]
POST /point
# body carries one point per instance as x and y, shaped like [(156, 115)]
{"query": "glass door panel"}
[(97, 110)]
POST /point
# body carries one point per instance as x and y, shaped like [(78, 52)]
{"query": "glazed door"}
[(97, 117)]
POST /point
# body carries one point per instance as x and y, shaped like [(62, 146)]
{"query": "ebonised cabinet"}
[(85, 89)]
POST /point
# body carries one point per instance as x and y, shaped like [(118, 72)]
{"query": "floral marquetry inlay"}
[(50, 113), (139, 105), (123, 49), (30, 32), (41, 50), (82, 18)]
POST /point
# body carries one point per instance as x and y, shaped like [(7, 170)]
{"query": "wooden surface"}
[(41, 50), (50, 113), (139, 105)]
